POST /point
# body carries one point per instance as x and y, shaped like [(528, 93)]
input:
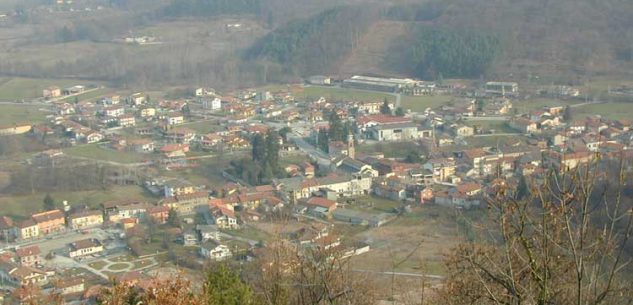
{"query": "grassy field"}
[(343, 94), (91, 96), (27, 88), (23, 206), (420, 103), (497, 126), (390, 150), (10, 114), (612, 111), (94, 151), (203, 127), (539, 103), (423, 236), (493, 141)]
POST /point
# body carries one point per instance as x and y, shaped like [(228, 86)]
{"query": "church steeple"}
[(351, 150)]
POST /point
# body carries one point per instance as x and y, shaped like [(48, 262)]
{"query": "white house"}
[(214, 251), (214, 104)]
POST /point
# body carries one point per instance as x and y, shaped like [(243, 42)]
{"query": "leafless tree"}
[(564, 244)]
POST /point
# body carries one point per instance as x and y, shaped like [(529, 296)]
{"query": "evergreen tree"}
[(336, 132), (49, 203), (399, 111), (283, 133), (172, 218), (384, 108), (259, 148), (567, 114), (272, 150), (323, 140), (224, 286), (412, 157), (186, 111), (76, 100)]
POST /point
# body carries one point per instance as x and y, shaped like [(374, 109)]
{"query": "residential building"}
[(85, 219), (50, 221), (158, 213), (22, 275), (212, 250), (322, 205), (394, 132), (181, 135), (523, 125), (443, 169), (462, 130), (178, 187), (141, 146), (147, 112), (175, 118), (113, 111), (29, 256), (70, 286), (52, 92), (502, 88), (27, 229), (188, 204), (85, 247), (127, 120), (223, 217)]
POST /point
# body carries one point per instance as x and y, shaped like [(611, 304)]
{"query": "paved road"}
[(321, 158), (431, 276), (57, 241), (60, 261), (495, 135), (486, 118)]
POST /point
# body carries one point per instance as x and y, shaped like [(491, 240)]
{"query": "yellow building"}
[(85, 219), (14, 129), (28, 229)]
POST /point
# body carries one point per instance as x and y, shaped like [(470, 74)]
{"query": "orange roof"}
[(173, 147), (28, 251), (48, 216), (322, 202)]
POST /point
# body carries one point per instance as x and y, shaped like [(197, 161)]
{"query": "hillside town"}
[(317, 163)]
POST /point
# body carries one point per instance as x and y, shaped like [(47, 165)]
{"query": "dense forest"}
[(314, 45), (437, 51)]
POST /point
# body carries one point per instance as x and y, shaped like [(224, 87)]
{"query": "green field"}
[(343, 94), (10, 114), (497, 126), (493, 141), (613, 111), (23, 206), (95, 152), (27, 88), (539, 103), (421, 103), (91, 96), (203, 127)]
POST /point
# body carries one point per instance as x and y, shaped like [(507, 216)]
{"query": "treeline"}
[(450, 53), (263, 165), (200, 8), (316, 44)]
